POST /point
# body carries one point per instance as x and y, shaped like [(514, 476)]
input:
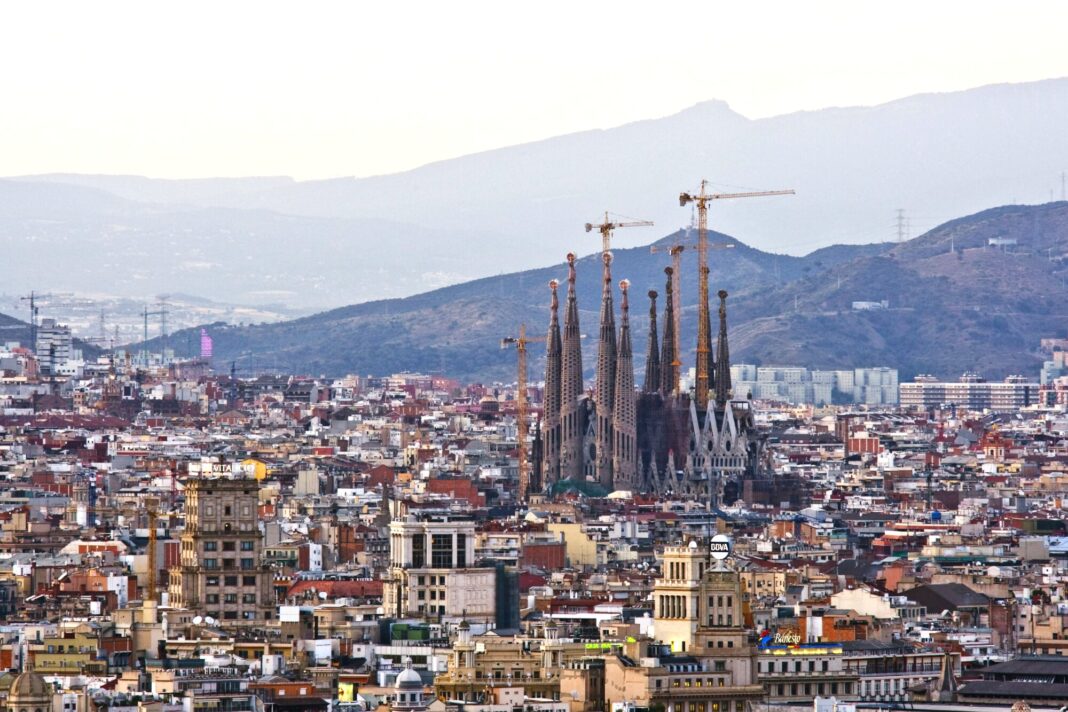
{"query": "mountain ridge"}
[(975, 308)]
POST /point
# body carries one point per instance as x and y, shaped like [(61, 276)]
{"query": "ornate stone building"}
[(220, 573)]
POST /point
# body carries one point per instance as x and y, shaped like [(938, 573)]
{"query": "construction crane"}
[(152, 509), (606, 228), (55, 300), (522, 426), (33, 298), (704, 338)]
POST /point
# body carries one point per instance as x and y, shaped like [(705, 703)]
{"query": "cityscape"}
[(423, 440)]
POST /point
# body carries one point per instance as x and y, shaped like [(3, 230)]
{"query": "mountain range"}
[(320, 243), (973, 294)]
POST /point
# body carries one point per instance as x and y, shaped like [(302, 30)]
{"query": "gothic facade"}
[(658, 439)]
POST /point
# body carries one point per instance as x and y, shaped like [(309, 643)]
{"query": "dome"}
[(27, 686), (409, 679)]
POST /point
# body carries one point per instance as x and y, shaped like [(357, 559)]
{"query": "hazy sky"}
[(317, 89)]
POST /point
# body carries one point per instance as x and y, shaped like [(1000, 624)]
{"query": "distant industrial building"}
[(971, 391), (53, 347), (796, 384)]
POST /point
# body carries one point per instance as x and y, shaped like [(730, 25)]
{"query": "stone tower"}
[(605, 383), (669, 360), (651, 384), (624, 407), (553, 354), (572, 404), (723, 356)]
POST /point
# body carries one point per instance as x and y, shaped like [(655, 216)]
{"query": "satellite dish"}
[(322, 595), (197, 620), (209, 620)]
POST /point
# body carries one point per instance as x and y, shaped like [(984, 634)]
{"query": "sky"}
[(326, 89)]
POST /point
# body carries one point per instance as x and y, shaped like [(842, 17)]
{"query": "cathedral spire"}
[(553, 350), (723, 355), (572, 419), (669, 360), (605, 383), (652, 353), (624, 407)]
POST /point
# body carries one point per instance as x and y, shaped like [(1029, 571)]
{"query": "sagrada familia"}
[(701, 444)]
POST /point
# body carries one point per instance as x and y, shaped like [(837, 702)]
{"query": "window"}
[(248, 545), (230, 615), (421, 580), (461, 551), (228, 546), (418, 551), (248, 564), (721, 666), (211, 563), (248, 598), (211, 598), (441, 551), (211, 546), (230, 598), (230, 580), (212, 581), (227, 511), (248, 580)]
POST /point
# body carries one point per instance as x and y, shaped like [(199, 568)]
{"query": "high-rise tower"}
[(220, 573), (624, 406), (553, 354), (605, 383), (572, 405), (651, 384)]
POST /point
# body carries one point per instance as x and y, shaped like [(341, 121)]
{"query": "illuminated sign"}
[(789, 643), (603, 646)]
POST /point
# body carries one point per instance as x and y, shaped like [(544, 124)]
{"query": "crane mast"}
[(522, 409), (704, 336), (152, 509)]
